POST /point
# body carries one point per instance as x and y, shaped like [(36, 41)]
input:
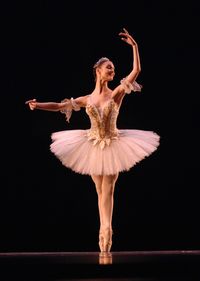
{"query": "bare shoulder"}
[(82, 100)]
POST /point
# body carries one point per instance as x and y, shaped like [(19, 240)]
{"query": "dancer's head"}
[(104, 68)]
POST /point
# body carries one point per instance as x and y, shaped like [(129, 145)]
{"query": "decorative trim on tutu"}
[(102, 142)]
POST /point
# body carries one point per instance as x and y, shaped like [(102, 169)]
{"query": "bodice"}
[(103, 123), (103, 120)]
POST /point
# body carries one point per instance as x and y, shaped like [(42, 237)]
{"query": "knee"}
[(99, 191), (98, 184), (109, 190)]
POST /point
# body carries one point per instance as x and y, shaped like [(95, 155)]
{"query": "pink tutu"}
[(76, 152)]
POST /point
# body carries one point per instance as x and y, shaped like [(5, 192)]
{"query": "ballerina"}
[(103, 150)]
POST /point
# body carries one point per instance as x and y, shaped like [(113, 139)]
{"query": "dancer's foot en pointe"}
[(105, 240), (101, 240)]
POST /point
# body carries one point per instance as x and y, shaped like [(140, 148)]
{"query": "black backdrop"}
[(48, 50)]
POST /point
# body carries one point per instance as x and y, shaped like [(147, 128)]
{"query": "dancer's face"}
[(107, 71)]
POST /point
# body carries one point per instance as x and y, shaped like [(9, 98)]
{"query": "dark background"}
[(48, 49)]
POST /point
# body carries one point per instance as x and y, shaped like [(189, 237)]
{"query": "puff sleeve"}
[(69, 107), (129, 87)]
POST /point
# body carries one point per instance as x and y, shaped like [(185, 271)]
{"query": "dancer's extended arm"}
[(66, 106)]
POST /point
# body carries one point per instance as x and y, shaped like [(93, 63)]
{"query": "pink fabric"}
[(76, 152)]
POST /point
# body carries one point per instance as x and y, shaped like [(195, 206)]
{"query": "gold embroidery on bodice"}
[(103, 123)]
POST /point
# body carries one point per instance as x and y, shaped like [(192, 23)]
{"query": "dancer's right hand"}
[(32, 104), (127, 37)]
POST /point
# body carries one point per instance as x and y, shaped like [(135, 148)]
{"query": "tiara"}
[(101, 60)]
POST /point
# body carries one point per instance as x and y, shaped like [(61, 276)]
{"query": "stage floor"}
[(135, 265)]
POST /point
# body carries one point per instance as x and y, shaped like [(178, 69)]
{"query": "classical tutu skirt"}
[(76, 152)]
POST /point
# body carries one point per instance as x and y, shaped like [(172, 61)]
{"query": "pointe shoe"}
[(101, 240), (107, 240)]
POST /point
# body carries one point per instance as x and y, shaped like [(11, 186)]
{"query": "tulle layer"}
[(74, 150)]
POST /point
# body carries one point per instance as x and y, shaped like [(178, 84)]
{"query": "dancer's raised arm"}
[(129, 83), (136, 58)]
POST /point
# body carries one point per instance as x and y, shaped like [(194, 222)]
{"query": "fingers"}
[(31, 103), (124, 34), (28, 101), (125, 31), (126, 37)]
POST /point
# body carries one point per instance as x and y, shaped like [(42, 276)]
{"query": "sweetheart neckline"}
[(101, 108)]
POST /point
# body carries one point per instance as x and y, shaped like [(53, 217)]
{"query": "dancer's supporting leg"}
[(105, 186)]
